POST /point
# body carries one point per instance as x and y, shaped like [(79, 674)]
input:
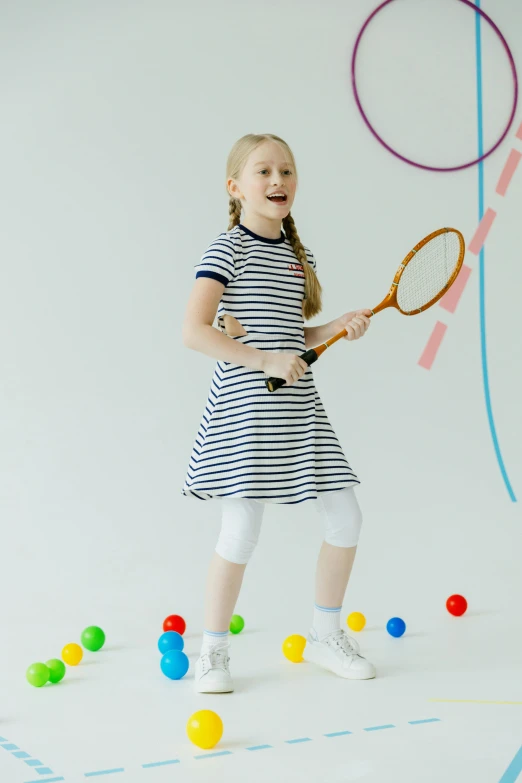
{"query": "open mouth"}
[(277, 199)]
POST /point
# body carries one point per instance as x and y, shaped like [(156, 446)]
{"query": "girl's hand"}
[(289, 366), (356, 323)]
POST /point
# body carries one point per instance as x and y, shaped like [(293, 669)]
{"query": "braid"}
[(234, 212), (312, 302), (236, 161)]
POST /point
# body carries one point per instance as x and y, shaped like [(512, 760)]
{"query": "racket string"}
[(428, 272)]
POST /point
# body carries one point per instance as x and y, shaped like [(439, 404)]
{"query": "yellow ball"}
[(205, 729), (72, 654), (356, 621), (293, 647)]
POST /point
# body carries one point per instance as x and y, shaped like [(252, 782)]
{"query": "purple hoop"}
[(387, 146)]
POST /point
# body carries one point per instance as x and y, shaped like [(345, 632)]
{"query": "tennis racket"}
[(425, 275)]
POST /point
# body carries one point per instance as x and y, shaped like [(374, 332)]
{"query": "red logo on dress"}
[(297, 269)]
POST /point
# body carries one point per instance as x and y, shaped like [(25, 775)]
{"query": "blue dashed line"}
[(49, 780), (36, 764), (297, 741), (378, 728), (338, 734), (213, 755)]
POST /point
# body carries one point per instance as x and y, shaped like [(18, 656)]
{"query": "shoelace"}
[(341, 640), (215, 658)]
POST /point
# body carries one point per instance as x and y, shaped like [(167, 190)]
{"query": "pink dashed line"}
[(433, 345), (482, 231), (450, 299), (508, 171)]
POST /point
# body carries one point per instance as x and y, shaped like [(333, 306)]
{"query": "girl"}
[(255, 447)]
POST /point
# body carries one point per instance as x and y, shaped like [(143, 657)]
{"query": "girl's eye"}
[(286, 171)]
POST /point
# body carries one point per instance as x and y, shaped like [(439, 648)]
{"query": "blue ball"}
[(170, 641), (396, 626), (174, 664)]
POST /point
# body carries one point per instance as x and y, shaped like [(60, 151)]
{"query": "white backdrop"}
[(117, 121)]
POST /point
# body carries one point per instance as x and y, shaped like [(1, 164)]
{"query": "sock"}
[(326, 620), (212, 638)]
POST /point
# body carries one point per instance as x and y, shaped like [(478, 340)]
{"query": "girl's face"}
[(267, 171)]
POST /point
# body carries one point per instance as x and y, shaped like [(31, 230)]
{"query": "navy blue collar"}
[(262, 239)]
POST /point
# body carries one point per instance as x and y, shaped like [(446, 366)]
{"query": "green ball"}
[(56, 669), (38, 674), (236, 624), (93, 638)]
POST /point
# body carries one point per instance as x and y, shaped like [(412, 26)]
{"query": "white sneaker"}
[(339, 653), (211, 672)]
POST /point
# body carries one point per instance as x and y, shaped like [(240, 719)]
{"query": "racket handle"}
[(309, 357)]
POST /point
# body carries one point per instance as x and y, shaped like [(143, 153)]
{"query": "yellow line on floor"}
[(474, 701)]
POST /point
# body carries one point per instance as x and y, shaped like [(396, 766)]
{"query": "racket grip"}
[(309, 357)]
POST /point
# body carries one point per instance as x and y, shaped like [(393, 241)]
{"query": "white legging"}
[(241, 523)]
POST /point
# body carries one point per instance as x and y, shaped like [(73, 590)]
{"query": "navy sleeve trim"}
[(213, 276)]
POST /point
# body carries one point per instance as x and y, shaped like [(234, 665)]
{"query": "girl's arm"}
[(355, 322), (200, 335), (315, 335)]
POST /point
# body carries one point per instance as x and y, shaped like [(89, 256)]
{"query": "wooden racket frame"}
[(390, 300)]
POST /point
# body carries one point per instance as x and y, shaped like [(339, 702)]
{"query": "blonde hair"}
[(237, 159)]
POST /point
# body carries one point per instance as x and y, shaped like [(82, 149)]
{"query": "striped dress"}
[(275, 447)]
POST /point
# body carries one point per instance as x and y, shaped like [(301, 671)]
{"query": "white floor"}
[(446, 705)]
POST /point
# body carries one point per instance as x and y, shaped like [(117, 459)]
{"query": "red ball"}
[(456, 605), (175, 623)]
